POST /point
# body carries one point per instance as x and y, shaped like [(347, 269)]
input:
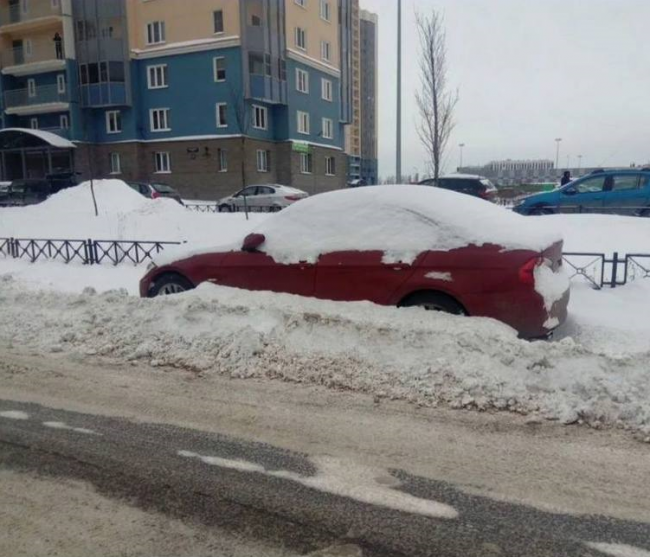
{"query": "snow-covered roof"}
[(49, 137)]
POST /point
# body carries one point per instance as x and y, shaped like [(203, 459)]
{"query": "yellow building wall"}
[(185, 20), (308, 17)]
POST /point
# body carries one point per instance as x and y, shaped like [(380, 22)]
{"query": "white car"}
[(266, 197)]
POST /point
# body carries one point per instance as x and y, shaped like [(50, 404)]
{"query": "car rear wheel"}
[(645, 213), (434, 301), (170, 284), (541, 211)]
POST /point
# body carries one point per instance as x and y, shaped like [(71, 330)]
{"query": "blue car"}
[(619, 192)]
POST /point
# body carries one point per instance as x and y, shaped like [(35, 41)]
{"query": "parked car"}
[(392, 245), (264, 197), (26, 192), (156, 191), (622, 192), (478, 186)]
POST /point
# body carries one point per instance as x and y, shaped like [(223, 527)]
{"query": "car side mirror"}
[(252, 242), (570, 191)]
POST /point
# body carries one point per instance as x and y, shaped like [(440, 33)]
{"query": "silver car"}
[(266, 197)]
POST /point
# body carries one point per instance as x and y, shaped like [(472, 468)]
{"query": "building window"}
[(28, 48), (263, 159), (325, 50), (328, 128), (217, 17), (330, 166), (60, 84), (222, 121), (325, 10), (116, 165), (64, 122), (113, 121), (156, 32), (55, 3), (220, 69), (33, 123), (303, 122), (31, 88), (157, 76), (301, 3), (302, 81), (259, 117), (301, 38), (306, 163), (222, 160), (162, 163), (159, 119), (326, 89)]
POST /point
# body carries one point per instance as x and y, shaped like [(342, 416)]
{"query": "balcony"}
[(61, 132), (19, 61), (38, 100), (28, 16)]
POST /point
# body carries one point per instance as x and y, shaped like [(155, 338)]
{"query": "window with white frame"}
[(64, 122), (156, 32), (162, 163), (222, 119), (60, 84), (325, 50), (302, 81), (301, 38), (217, 17), (301, 3), (325, 10), (303, 122), (263, 157), (116, 163), (259, 117), (220, 69), (113, 121), (33, 123), (330, 166), (326, 89), (328, 128), (31, 88), (306, 166), (159, 119), (222, 160), (157, 76), (28, 48)]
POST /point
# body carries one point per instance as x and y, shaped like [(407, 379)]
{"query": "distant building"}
[(369, 90)]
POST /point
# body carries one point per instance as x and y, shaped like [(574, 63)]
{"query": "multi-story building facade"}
[(368, 91), (229, 92), (353, 131)]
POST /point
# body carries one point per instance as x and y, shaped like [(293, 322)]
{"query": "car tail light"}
[(292, 197), (527, 270), (155, 194)]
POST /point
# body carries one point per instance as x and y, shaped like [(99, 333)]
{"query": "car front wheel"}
[(169, 284), (536, 211), (434, 301), (225, 209)]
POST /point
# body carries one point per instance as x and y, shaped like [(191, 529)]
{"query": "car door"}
[(584, 196), (258, 271), (626, 195), (249, 194), (359, 275), (265, 197)]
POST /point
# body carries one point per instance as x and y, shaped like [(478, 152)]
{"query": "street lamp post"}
[(557, 152), (461, 145)]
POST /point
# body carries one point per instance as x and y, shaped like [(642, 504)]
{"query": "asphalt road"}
[(301, 502)]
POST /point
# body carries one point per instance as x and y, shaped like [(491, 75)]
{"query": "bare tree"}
[(435, 102)]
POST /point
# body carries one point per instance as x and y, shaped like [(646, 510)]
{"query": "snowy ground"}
[(596, 370)]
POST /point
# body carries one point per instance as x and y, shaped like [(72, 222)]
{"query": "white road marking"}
[(14, 415), (619, 550), (62, 425), (344, 478)]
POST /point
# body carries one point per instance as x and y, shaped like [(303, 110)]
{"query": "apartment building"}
[(206, 99), (368, 53)]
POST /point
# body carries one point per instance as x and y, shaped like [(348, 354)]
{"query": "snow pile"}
[(410, 354), (113, 196), (401, 221)]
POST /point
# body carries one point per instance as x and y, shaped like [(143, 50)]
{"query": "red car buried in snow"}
[(393, 245)]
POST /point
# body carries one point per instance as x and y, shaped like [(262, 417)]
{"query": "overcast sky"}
[(528, 71)]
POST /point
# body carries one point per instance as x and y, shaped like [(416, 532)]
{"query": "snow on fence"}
[(88, 252)]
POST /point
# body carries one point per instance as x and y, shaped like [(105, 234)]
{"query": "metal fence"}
[(215, 208), (599, 270), (88, 252)]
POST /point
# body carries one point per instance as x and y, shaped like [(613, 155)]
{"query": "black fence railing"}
[(88, 252), (599, 270), (216, 208)]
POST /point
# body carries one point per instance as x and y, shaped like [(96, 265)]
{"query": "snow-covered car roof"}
[(400, 220)]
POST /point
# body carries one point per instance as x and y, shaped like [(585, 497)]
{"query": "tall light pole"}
[(557, 153), (461, 145), (398, 168)]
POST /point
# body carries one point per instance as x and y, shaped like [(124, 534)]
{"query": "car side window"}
[(144, 189), (264, 191), (625, 182), (591, 185)]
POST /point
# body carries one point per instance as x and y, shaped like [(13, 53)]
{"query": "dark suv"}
[(465, 183), (25, 192)]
